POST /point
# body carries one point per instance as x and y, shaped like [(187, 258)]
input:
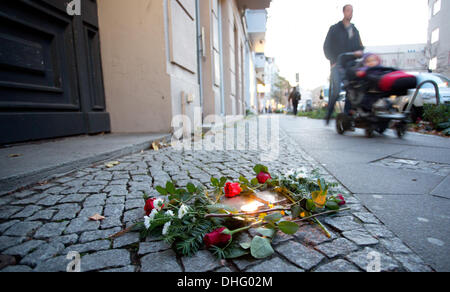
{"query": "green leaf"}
[(243, 180), (266, 232), (161, 190), (223, 181), (235, 252), (191, 188), (181, 192), (310, 205), (215, 182), (246, 245), (255, 182), (332, 205), (186, 197), (260, 168), (288, 227), (257, 169), (275, 217), (261, 248), (174, 197), (296, 211), (170, 187)]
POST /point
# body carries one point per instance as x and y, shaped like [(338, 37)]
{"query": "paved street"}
[(41, 225), (405, 183)]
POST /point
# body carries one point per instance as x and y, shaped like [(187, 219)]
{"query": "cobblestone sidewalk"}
[(40, 226)]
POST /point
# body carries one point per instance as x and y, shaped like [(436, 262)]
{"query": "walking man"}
[(295, 97), (342, 37)]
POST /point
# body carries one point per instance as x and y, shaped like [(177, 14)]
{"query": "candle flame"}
[(252, 207)]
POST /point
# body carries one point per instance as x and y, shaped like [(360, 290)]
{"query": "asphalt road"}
[(406, 183)]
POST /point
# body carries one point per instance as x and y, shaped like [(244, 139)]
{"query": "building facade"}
[(266, 72), (271, 74), (438, 48), (411, 57), (122, 66), (257, 26)]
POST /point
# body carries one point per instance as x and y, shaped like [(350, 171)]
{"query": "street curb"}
[(24, 180)]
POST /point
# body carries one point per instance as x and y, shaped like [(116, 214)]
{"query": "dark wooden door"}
[(51, 81)]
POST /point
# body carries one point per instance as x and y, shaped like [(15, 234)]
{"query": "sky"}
[(296, 31)]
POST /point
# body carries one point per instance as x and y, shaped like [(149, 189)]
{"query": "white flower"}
[(170, 213), (153, 214), (183, 211), (301, 172), (166, 228), (158, 204), (290, 172), (147, 222), (149, 219)]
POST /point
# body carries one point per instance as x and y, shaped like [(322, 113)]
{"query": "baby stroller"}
[(369, 95)]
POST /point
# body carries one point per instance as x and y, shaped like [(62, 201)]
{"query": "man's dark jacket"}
[(338, 42)]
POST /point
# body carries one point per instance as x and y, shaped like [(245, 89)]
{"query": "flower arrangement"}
[(191, 218)]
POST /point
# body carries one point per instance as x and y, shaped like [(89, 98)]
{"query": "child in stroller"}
[(367, 82)]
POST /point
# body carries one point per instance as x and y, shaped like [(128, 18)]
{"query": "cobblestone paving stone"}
[(42, 224)]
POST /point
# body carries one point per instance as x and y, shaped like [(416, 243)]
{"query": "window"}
[(433, 64), (436, 7), (435, 36)]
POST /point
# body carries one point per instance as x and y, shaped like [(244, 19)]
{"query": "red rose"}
[(342, 200), (232, 190), (149, 206), (217, 238), (263, 177)]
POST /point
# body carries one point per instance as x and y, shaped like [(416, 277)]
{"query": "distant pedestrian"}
[(342, 37), (295, 97)]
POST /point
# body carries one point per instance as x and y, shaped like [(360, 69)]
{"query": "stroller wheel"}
[(382, 128), (341, 124), (401, 130)]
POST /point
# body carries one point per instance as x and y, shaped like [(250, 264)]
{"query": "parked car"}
[(426, 94), (306, 106), (325, 98)]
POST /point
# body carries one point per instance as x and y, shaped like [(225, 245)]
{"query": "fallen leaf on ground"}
[(14, 155), (155, 146), (112, 164), (97, 217)]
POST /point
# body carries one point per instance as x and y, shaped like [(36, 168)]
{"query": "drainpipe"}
[(200, 54)]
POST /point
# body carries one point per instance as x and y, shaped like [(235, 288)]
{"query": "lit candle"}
[(252, 207)]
